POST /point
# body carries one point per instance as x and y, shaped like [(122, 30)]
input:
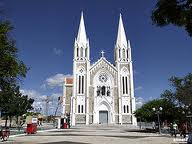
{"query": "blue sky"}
[(45, 31)]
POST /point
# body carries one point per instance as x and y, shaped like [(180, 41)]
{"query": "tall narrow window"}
[(78, 108), (103, 90), (86, 52), (81, 51), (123, 85), (119, 53), (77, 52), (82, 85), (127, 54), (126, 85), (81, 108), (124, 109), (79, 89), (123, 53), (127, 109)]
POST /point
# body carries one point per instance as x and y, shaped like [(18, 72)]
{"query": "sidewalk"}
[(21, 131)]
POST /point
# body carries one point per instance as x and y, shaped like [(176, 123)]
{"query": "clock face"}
[(103, 77)]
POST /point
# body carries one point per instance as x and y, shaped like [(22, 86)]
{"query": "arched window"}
[(86, 52), (126, 84), (78, 108), (82, 84), (81, 108), (77, 52), (127, 109), (123, 82), (119, 53), (123, 53), (127, 54), (79, 88), (103, 90), (98, 90), (81, 51), (108, 91), (124, 109)]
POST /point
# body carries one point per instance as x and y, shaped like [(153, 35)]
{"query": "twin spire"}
[(121, 36), (82, 37)]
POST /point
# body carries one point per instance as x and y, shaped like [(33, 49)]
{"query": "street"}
[(93, 135)]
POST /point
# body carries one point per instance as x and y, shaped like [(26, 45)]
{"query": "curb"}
[(39, 131)]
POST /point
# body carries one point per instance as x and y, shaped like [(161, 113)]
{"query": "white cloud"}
[(54, 96), (57, 51), (39, 100), (139, 102), (32, 93), (151, 98), (138, 88), (54, 81)]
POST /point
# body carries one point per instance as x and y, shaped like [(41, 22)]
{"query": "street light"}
[(158, 112)]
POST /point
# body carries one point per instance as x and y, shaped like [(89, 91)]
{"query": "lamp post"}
[(158, 112)]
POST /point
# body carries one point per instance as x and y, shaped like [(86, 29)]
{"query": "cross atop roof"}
[(102, 53)]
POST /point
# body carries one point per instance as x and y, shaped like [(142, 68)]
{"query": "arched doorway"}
[(103, 117), (103, 113)]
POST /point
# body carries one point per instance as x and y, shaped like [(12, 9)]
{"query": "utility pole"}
[(59, 102), (46, 100)]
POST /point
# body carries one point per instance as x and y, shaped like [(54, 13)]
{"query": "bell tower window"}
[(77, 52), (119, 53), (86, 52), (81, 51), (123, 53), (81, 82)]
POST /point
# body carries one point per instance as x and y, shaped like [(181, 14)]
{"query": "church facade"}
[(101, 92)]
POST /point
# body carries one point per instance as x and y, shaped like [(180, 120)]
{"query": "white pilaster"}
[(64, 96), (119, 94), (74, 94), (87, 96)]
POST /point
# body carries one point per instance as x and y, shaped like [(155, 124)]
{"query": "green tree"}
[(176, 12), (11, 68), (147, 114), (21, 105), (181, 92), (13, 103)]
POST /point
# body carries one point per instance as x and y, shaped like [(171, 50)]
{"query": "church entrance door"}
[(103, 117)]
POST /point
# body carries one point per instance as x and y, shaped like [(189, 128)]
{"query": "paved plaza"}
[(92, 135)]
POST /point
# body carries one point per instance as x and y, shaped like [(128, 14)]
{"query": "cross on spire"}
[(102, 53)]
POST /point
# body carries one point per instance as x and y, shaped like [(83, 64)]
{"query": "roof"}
[(102, 61), (68, 80)]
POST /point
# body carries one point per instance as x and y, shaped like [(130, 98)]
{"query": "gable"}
[(102, 63)]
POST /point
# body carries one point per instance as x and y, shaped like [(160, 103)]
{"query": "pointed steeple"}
[(81, 37), (121, 36)]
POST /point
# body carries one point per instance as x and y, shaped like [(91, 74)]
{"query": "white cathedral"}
[(100, 93)]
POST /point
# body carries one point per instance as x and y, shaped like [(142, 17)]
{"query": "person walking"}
[(184, 130), (171, 129), (175, 129)]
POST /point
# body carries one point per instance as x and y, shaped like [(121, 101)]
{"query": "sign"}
[(34, 120)]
